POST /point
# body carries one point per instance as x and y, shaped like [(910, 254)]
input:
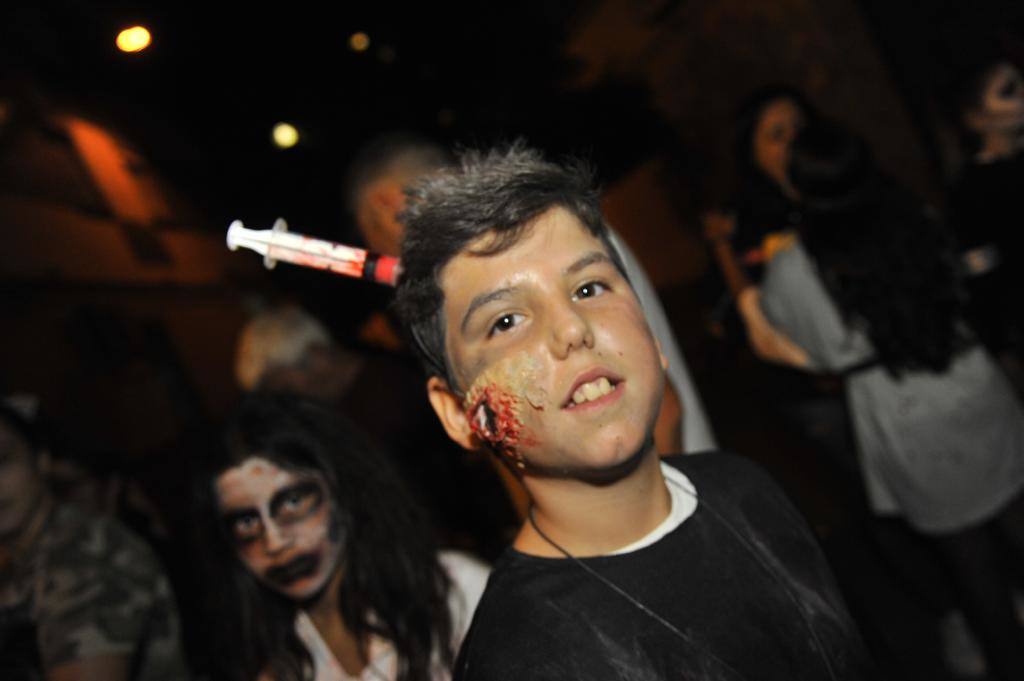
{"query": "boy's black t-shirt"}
[(742, 579)]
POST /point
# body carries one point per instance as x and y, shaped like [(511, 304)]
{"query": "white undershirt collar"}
[(683, 500)]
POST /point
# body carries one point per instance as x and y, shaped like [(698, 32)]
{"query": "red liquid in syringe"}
[(280, 244)]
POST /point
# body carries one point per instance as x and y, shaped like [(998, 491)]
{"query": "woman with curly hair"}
[(868, 289), (322, 567)]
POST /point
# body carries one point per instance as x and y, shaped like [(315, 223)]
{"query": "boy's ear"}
[(448, 407)]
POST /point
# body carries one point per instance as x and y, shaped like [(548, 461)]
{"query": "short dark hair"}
[(498, 192), (387, 153)]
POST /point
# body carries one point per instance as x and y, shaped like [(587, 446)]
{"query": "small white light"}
[(285, 135)]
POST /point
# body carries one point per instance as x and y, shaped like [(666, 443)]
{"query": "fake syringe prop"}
[(278, 243)]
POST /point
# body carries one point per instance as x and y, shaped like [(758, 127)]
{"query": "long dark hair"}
[(760, 204), (393, 585), (748, 115), (887, 262)]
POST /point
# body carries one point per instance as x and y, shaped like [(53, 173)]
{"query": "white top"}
[(468, 576), (684, 502), (944, 450)]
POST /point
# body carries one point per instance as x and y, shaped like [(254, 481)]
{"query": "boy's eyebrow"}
[(588, 260), (482, 300)]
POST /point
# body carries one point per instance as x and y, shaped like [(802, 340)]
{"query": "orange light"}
[(359, 42), (134, 39)]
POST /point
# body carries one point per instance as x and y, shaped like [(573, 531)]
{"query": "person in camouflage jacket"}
[(80, 595)]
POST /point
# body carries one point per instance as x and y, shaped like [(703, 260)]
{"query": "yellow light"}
[(359, 42), (285, 135), (134, 39)]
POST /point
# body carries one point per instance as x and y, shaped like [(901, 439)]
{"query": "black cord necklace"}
[(686, 638), (609, 583), (771, 570)]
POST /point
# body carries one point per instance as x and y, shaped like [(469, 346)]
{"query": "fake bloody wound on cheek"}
[(492, 416), (494, 403)]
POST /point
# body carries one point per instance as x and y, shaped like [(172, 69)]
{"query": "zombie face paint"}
[(283, 524), (495, 402), (563, 373)]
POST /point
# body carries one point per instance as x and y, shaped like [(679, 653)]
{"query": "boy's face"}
[(550, 336)]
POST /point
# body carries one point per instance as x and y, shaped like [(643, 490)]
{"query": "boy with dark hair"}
[(628, 566)]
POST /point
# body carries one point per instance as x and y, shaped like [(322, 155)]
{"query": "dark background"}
[(646, 89), (614, 80), (121, 306)]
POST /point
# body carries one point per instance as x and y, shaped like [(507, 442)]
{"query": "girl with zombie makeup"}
[(985, 205), (325, 569), (869, 290)]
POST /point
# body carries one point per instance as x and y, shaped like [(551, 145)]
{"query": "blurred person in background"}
[(321, 565), (759, 218), (764, 202), (986, 209), (284, 348), (80, 596), (869, 290)]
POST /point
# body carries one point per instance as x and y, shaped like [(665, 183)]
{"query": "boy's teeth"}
[(592, 391)]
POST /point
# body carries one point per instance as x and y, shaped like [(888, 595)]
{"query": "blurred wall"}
[(120, 305)]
